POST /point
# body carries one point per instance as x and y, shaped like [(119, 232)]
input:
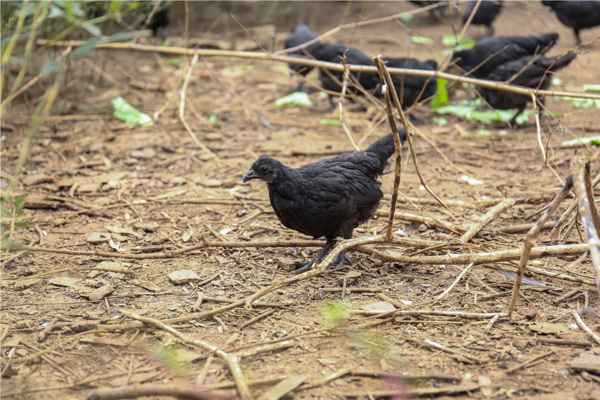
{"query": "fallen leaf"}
[(283, 388), (379, 306), (31, 180), (587, 362), (64, 281), (548, 327)]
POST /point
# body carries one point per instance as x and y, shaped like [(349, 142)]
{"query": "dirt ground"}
[(115, 198)]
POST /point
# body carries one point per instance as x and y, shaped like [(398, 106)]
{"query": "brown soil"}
[(153, 189)]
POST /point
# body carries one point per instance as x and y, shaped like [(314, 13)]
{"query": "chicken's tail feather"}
[(384, 147)]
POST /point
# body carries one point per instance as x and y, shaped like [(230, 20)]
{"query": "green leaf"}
[(421, 40), (577, 102), (466, 43), (469, 110), (243, 68), (295, 99), (441, 98), (406, 18), (93, 30), (212, 118), (336, 312), (327, 121), (50, 67), (578, 142), (591, 88), (484, 132), (557, 81), (174, 62), (91, 44), (128, 114), (115, 6), (440, 121), (23, 224), (20, 203)]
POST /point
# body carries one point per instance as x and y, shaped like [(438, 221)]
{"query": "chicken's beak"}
[(249, 176)]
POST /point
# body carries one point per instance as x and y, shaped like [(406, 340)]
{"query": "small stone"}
[(151, 226), (183, 276), (97, 238), (286, 264), (146, 153), (210, 182)]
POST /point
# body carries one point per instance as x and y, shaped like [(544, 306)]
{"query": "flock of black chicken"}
[(519, 60), (331, 197)]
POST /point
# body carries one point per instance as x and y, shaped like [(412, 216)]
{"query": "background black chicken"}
[(576, 14), (490, 52), (327, 198), (331, 79), (411, 89), (529, 71), (485, 15), (300, 35)]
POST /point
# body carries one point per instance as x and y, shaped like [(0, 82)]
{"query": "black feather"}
[(577, 15), (330, 197)]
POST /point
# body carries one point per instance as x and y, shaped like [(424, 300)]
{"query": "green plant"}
[(12, 215)]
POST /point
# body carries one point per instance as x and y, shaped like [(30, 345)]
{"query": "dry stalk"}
[(317, 268), (231, 360), (493, 213), (150, 390), (583, 326), (477, 258), (587, 209), (438, 346), (529, 362), (532, 236), (538, 126), (386, 89), (458, 278), (388, 80), (187, 126), (345, 80), (318, 64)]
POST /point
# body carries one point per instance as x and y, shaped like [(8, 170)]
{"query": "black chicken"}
[(576, 14), (485, 15), (527, 71), (300, 35), (327, 198), (490, 52), (411, 89), (331, 79)]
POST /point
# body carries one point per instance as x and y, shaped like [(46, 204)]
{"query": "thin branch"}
[(532, 236), (232, 360), (386, 89), (587, 209), (319, 64), (187, 126), (583, 326), (493, 213)]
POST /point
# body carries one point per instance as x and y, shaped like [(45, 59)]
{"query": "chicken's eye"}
[(263, 169)]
